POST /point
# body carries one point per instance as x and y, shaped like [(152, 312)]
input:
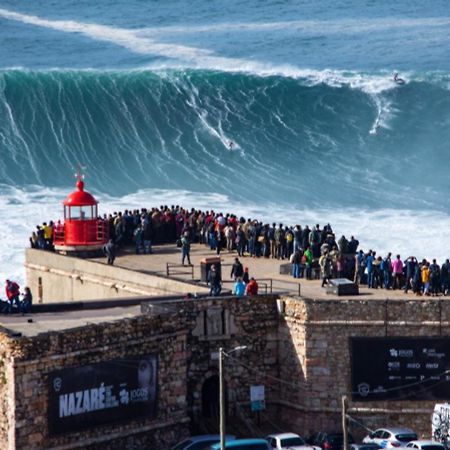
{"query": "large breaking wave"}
[(324, 138)]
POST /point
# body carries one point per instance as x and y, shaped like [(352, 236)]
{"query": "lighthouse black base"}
[(80, 251)]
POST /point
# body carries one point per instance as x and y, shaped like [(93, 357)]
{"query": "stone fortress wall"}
[(315, 350), (185, 337), (298, 348)]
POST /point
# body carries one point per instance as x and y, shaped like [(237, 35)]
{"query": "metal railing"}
[(269, 285), (88, 232), (179, 269)]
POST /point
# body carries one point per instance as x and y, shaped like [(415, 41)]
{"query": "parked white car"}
[(425, 445), (288, 441), (391, 437)]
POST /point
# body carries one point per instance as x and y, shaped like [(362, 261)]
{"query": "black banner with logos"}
[(106, 392), (401, 368)]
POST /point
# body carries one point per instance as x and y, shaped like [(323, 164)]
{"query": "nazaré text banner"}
[(97, 394)]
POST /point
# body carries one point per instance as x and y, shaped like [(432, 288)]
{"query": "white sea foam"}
[(183, 56), (419, 233), (320, 27)]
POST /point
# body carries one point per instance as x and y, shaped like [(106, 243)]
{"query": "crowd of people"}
[(313, 252)]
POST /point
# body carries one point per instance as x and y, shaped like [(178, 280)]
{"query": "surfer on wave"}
[(230, 145), (397, 79)]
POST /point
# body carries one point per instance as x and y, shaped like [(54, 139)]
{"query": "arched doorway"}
[(210, 397)]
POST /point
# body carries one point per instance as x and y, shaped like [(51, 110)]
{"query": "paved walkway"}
[(265, 270)]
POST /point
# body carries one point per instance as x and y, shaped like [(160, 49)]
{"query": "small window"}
[(81, 213)]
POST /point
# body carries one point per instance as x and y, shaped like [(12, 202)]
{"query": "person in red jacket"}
[(12, 292), (252, 287)]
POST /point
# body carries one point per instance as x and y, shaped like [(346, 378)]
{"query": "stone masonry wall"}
[(185, 334), (35, 358), (229, 323), (315, 336), (306, 346)]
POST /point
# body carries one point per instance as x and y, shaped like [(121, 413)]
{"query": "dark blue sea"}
[(148, 95)]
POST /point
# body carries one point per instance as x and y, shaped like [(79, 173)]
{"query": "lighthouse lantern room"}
[(82, 231)]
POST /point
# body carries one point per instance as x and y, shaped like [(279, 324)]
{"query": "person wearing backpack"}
[(289, 242)]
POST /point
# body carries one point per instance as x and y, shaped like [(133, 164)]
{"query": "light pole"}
[(222, 355)]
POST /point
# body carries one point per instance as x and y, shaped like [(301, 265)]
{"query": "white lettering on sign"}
[(81, 402), (432, 366)]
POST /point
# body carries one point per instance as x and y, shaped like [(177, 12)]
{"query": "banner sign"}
[(400, 368), (257, 398), (97, 394)]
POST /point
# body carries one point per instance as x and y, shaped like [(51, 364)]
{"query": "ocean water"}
[(147, 96)]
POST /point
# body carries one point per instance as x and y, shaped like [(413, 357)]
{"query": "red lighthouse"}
[(82, 232)]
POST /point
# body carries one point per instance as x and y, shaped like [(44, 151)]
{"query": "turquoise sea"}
[(147, 95)]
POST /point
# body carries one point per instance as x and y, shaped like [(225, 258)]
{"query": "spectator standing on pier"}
[(386, 268), (138, 238), (147, 233), (445, 274), (369, 267), (426, 278), (397, 272), (326, 268), (185, 248), (410, 264), (435, 272), (110, 251), (353, 245), (230, 236), (215, 281), (239, 288), (252, 287), (417, 279), (237, 270), (272, 242), (308, 259), (246, 276), (240, 241), (296, 259), (280, 242), (360, 265)]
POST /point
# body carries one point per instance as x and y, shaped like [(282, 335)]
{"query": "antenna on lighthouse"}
[(79, 173), (80, 177)]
